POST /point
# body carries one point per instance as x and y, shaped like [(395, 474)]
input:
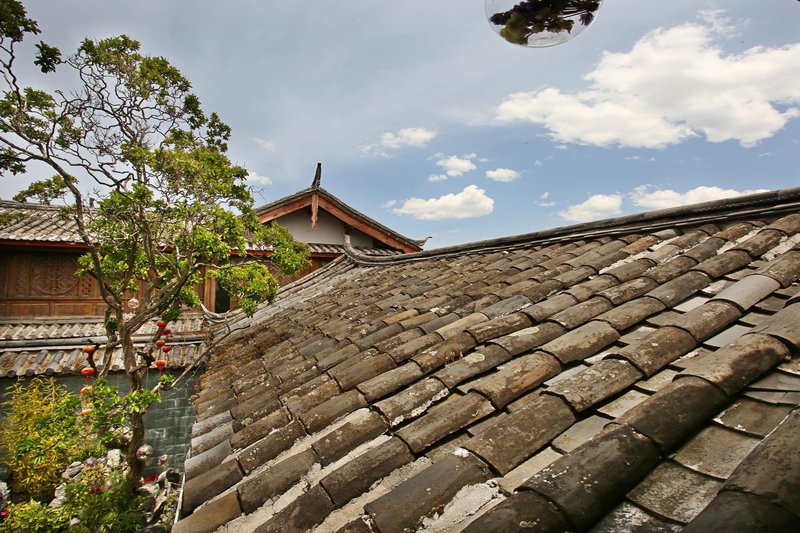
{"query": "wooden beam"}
[(314, 210), (278, 212)]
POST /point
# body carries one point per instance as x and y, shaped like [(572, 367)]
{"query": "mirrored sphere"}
[(540, 23)]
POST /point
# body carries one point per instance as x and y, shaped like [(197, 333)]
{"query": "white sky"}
[(427, 121)]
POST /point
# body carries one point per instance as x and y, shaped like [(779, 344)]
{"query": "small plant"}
[(104, 504)]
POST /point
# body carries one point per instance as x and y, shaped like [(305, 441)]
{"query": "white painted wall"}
[(330, 230)]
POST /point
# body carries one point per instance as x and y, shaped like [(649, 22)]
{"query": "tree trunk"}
[(135, 377)]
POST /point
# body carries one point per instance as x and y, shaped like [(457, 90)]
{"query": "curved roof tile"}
[(574, 378)]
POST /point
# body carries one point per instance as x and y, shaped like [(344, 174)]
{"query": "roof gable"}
[(571, 378), (316, 197)]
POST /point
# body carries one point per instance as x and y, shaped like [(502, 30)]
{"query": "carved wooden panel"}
[(45, 284), (54, 275)]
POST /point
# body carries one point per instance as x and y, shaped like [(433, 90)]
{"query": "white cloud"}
[(255, 178), (407, 137), (562, 147), (454, 165), (651, 198), (265, 144), (537, 163), (543, 202), (674, 84), (390, 203), (417, 137), (596, 207), (502, 174), (469, 203), (433, 178)]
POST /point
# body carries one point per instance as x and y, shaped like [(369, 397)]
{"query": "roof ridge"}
[(706, 211)]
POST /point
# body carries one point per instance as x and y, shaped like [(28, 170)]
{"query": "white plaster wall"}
[(330, 230)]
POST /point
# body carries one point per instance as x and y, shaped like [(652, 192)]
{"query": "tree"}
[(167, 205)]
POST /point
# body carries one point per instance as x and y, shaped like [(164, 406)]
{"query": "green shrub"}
[(34, 517), (107, 508), (41, 435)]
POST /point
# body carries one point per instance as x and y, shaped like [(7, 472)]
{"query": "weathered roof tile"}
[(518, 436), (675, 492), (585, 482), (209, 484), (582, 341), (658, 349), (518, 377), (444, 420), (596, 383), (425, 493), (353, 478), (715, 451), (739, 363)]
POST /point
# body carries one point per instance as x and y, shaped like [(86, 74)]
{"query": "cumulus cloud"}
[(252, 177), (265, 144), (596, 207), (407, 137), (674, 84), (652, 198), (454, 165), (502, 174), (417, 137), (390, 203), (469, 203), (433, 178)]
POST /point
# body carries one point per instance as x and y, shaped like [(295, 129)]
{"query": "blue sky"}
[(426, 120)]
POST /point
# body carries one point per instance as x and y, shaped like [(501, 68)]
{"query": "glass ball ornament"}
[(540, 23)]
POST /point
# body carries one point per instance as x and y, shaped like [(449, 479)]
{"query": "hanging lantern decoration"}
[(85, 411), (160, 364), (166, 331), (161, 324), (86, 389), (90, 349), (88, 371), (160, 343)]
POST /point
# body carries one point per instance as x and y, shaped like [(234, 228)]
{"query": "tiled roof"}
[(36, 222), (53, 346), (628, 374), (42, 223)]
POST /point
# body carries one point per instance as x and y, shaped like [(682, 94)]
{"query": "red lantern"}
[(86, 411), (161, 323), (89, 349), (88, 371), (86, 389), (161, 363), (160, 343), (166, 331), (166, 349)]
